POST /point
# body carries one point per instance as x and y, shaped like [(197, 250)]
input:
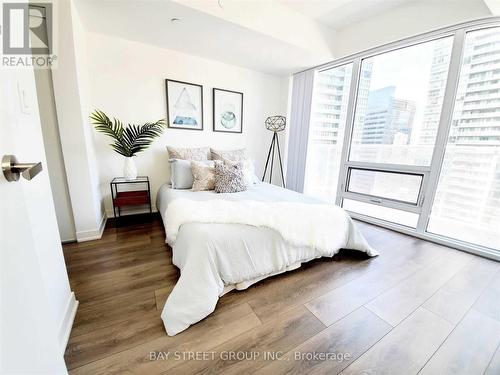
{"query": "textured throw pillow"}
[(195, 153), (233, 155), (229, 178), (249, 175), (180, 174), (203, 176)]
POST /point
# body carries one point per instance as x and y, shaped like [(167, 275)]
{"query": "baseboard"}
[(67, 322), (89, 235)]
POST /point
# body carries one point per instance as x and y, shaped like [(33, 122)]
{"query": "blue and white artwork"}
[(184, 105), (227, 111)]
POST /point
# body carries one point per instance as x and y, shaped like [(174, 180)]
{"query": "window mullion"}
[(353, 92), (430, 184)]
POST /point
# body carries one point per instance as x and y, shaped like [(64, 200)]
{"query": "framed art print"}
[(227, 111), (184, 105)]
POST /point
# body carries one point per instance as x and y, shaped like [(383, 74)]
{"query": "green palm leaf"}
[(128, 140)]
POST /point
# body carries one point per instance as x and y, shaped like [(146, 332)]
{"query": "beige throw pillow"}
[(233, 155), (203, 176), (188, 153)]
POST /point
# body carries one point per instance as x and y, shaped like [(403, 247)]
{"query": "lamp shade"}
[(276, 123)]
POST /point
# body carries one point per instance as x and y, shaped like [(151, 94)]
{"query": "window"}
[(407, 219), (423, 131), (381, 184), (396, 117), (326, 131), (399, 102), (467, 202)]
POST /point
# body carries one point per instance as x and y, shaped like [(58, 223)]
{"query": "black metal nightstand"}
[(127, 198)]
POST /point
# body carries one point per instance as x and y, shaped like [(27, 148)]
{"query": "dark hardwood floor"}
[(417, 308)]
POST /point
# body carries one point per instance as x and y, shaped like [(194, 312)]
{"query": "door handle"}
[(12, 169)]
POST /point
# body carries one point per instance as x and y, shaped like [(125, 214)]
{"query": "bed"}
[(222, 242)]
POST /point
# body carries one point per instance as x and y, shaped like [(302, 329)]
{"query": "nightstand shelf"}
[(130, 193)]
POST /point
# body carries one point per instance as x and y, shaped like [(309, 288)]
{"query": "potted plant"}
[(128, 140)]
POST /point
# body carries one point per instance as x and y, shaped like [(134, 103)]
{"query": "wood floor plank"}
[(102, 248), (308, 286), (203, 336), (129, 256), (405, 349), (468, 349), (489, 302), (341, 301), (276, 336), (112, 311), (344, 342), (148, 276), (112, 339), (456, 297), (400, 301), (162, 294)]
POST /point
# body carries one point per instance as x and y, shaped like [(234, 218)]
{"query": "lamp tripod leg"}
[(279, 156), (272, 159), (267, 161)]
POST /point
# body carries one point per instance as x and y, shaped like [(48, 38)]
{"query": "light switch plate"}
[(24, 99)]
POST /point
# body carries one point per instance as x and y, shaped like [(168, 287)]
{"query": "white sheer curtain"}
[(299, 129)]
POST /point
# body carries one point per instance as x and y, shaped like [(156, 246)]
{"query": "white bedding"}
[(221, 240)]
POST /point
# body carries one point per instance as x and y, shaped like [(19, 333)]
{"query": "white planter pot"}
[(129, 169)]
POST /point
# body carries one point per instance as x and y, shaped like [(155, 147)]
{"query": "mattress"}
[(261, 191)]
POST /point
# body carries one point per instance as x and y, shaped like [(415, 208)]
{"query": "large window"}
[(421, 125), (398, 107), (326, 131), (467, 202), (399, 102)]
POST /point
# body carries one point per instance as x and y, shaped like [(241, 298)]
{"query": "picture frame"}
[(184, 105), (227, 111)]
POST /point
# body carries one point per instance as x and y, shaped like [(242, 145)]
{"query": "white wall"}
[(53, 151), (127, 81), (405, 21), (71, 92)]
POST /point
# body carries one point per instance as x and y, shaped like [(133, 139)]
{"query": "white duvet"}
[(218, 242)]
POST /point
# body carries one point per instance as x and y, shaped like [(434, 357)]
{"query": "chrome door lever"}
[(12, 169)]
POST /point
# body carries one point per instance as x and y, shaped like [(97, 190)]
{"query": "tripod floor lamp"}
[(274, 124)]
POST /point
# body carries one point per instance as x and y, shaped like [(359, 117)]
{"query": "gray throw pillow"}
[(180, 174), (229, 178)]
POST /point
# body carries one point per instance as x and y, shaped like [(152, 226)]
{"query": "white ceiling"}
[(200, 33), (341, 13), (272, 36)]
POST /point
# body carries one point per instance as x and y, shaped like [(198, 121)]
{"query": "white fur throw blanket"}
[(299, 224)]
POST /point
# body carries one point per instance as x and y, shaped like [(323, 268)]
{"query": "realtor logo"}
[(27, 34)]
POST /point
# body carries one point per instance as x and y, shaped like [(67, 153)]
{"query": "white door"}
[(33, 279)]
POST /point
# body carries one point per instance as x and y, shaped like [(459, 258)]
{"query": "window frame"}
[(430, 174), (378, 198)]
